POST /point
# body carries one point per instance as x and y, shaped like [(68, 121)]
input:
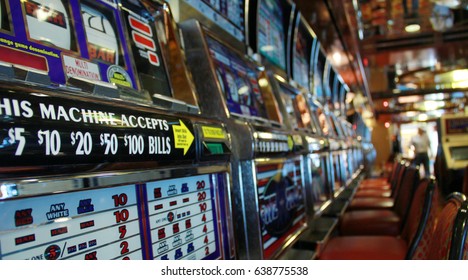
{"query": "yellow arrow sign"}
[(183, 138)]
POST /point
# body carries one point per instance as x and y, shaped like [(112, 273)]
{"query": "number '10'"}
[(120, 199)]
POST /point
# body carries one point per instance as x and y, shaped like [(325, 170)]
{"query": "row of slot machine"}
[(140, 129)]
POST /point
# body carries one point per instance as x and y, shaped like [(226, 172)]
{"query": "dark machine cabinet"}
[(105, 154), (266, 163)]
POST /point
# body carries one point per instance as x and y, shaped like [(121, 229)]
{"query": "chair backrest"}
[(439, 246), (459, 246), (425, 198), (397, 177), (395, 168), (405, 193), (395, 183)]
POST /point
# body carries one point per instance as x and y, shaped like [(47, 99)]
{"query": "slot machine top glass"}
[(303, 41), (271, 32), (104, 48), (244, 85)]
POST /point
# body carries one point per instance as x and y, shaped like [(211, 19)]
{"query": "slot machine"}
[(268, 177), (284, 47), (339, 104), (270, 30), (105, 153), (452, 154), (325, 120)]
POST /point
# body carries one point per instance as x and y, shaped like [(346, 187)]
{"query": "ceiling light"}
[(414, 27), (459, 75), (337, 58), (409, 99), (448, 3), (460, 84), (262, 82), (422, 117), (435, 97), (432, 105)]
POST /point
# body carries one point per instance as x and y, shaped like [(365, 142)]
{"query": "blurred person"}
[(422, 146), (396, 148)]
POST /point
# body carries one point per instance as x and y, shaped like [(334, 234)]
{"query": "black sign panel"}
[(42, 129)]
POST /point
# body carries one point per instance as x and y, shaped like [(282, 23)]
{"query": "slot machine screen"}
[(459, 153), (301, 55), (315, 112), (456, 126), (331, 93), (48, 22), (101, 30), (238, 80), (75, 43), (320, 193), (339, 102), (296, 107), (323, 122), (227, 14), (4, 18), (232, 10), (318, 76), (271, 33)]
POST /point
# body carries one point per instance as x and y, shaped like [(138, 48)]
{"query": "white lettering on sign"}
[(16, 108), (75, 67), (25, 109)]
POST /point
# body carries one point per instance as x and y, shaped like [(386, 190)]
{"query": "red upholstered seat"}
[(365, 248), (420, 239), (360, 203), (374, 184), (381, 187), (379, 198), (381, 184), (379, 216), (384, 187), (370, 222), (375, 181), (373, 193)]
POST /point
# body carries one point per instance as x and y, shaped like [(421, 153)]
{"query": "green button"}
[(215, 148)]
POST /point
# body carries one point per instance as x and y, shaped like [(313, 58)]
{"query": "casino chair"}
[(381, 182), (438, 246), (388, 217), (381, 202), (426, 236), (459, 245), (379, 187)]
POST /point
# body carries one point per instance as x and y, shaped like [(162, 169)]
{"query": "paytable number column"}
[(122, 216), (203, 207)]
